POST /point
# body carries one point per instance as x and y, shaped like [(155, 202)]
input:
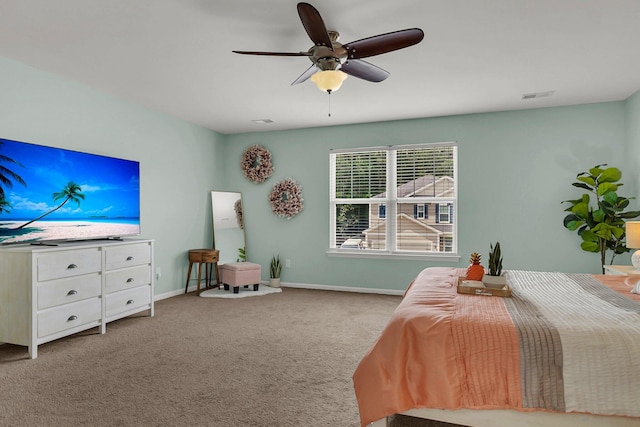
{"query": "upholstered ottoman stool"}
[(236, 274)]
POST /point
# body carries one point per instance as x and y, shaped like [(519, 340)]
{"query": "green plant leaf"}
[(582, 185), (610, 175), (604, 231), (607, 187), (590, 246), (572, 222), (589, 236), (598, 215), (581, 210), (622, 202), (574, 201), (617, 232), (587, 179), (630, 214), (573, 225), (495, 260), (611, 198), (596, 170), (621, 249)]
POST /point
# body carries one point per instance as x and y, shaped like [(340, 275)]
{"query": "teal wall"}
[(180, 162), (514, 170)]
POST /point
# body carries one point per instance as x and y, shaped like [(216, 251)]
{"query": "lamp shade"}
[(632, 230), (328, 80)]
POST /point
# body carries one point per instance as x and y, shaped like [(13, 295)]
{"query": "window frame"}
[(447, 213), (391, 203)]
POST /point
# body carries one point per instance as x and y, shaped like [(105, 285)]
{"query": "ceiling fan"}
[(332, 61)]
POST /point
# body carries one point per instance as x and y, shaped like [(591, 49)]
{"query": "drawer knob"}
[(71, 266), (129, 258), (130, 302), (130, 279), (72, 318), (72, 292)]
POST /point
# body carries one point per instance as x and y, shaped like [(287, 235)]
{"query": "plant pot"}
[(494, 282), (274, 282)]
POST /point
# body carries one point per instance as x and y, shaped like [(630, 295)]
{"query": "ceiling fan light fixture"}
[(329, 80)]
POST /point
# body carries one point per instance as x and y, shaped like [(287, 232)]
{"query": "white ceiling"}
[(174, 56)]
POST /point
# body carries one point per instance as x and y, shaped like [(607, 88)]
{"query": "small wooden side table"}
[(208, 257)]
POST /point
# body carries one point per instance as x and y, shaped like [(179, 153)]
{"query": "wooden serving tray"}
[(477, 290)]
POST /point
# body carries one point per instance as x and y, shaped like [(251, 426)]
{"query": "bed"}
[(564, 349)]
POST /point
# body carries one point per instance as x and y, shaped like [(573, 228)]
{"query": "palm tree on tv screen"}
[(71, 191), (4, 205), (7, 176)]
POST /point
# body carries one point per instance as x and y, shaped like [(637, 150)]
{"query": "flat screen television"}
[(52, 194)]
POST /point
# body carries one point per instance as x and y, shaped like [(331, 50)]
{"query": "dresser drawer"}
[(119, 302), (127, 278), (68, 316), (127, 256), (63, 291), (68, 263)]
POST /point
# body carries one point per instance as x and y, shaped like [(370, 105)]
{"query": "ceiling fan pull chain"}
[(329, 92)]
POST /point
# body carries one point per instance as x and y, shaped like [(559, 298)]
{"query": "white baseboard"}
[(192, 288), (158, 297), (342, 288)]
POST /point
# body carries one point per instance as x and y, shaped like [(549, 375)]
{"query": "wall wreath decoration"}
[(256, 164), (286, 198), (237, 207)]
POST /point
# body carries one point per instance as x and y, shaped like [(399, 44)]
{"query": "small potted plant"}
[(242, 255), (274, 271), (495, 278)]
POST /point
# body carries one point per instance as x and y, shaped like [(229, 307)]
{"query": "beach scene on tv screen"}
[(49, 194)]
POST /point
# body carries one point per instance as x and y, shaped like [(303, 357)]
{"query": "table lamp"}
[(633, 241)]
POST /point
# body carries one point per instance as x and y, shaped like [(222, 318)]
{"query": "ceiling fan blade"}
[(245, 52), (314, 25), (383, 43), (364, 70), (305, 76)]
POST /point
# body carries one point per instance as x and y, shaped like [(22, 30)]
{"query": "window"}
[(444, 212), (382, 198)]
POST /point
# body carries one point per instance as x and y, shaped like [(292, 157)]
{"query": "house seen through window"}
[(394, 200)]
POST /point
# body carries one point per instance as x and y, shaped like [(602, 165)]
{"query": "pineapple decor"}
[(475, 271)]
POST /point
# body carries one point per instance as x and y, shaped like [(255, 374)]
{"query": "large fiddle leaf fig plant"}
[(598, 216)]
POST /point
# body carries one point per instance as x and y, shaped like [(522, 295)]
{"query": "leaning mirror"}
[(228, 226)]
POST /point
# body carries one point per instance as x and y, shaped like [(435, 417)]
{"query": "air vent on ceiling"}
[(537, 95), (262, 121)]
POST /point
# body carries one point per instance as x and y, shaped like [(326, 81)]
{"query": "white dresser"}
[(48, 292)]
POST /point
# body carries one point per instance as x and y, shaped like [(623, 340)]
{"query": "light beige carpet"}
[(278, 360)]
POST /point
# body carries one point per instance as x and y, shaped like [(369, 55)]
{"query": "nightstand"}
[(620, 270)]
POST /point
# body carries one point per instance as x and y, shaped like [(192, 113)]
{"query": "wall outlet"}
[(287, 263)]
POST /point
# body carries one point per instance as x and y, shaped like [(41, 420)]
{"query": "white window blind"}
[(381, 199)]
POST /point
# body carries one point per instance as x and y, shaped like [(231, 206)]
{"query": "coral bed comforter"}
[(562, 343)]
